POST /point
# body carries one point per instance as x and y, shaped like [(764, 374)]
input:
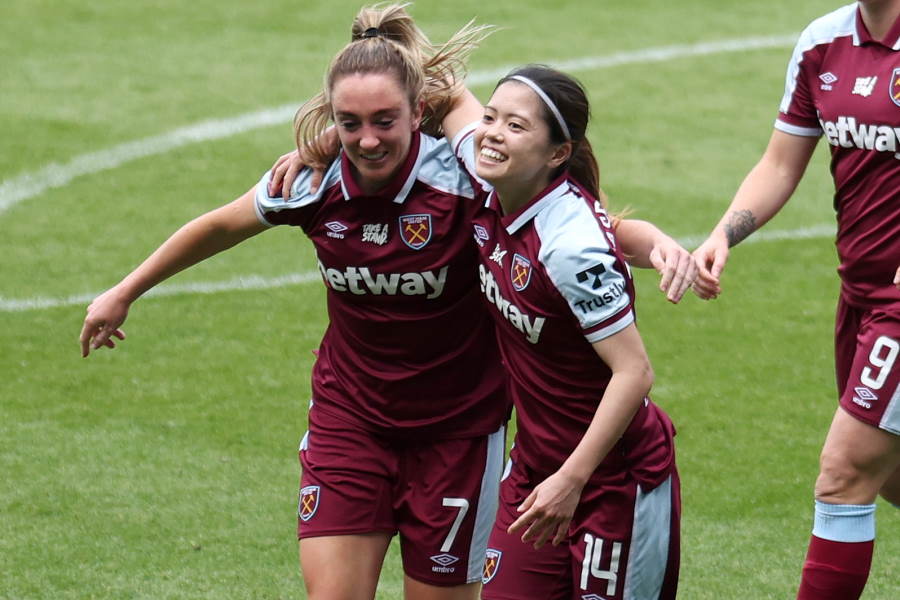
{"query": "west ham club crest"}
[(309, 502), (894, 88), (491, 564), (415, 230), (520, 272)]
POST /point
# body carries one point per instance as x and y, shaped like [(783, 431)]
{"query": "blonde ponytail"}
[(385, 39)]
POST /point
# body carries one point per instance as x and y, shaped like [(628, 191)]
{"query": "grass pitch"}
[(167, 468)]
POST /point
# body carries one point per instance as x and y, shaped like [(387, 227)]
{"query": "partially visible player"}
[(593, 465), (843, 80)]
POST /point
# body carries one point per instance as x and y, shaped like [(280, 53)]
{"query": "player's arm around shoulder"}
[(196, 241)]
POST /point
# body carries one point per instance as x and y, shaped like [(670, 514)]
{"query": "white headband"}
[(548, 102)]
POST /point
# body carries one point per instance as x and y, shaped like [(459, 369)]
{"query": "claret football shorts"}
[(623, 544), (867, 361), (440, 496)]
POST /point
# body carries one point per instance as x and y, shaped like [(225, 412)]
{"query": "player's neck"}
[(515, 195), (879, 16)]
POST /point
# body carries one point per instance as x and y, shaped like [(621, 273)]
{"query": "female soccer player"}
[(843, 80), (593, 465), (407, 386), (405, 429)]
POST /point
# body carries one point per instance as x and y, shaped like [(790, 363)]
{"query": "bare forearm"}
[(767, 187), (637, 239), (196, 241), (621, 400)]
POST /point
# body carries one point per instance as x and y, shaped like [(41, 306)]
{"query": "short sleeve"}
[(297, 209), (586, 272), (464, 147)]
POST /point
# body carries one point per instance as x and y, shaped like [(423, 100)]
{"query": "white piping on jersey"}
[(795, 130), (300, 195), (839, 23), (435, 166), (532, 211)]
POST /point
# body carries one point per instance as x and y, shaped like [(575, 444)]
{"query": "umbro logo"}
[(828, 79), (336, 229), (481, 235), (865, 393), (444, 559)]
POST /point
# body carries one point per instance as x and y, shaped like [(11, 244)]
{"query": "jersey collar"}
[(398, 189), (862, 36), (513, 222)]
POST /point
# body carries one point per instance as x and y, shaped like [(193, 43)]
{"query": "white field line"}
[(254, 282), (30, 184)]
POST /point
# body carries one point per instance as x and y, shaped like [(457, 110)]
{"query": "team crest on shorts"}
[(415, 230), (491, 564), (309, 502), (894, 88), (520, 272)]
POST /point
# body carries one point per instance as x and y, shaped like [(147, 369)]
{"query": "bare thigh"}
[(890, 491), (416, 590), (857, 460), (342, 567)]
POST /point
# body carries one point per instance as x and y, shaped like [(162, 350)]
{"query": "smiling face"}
[(375, 122), (514, 152)]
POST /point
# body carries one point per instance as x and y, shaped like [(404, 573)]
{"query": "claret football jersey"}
[(555, 283), (843, 84), (409, 349)]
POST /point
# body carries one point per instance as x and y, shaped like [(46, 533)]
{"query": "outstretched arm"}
[(203, 237), (646, 246), (548, 510), (767, 187)]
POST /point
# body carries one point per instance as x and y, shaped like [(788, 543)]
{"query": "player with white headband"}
[(593, 466)]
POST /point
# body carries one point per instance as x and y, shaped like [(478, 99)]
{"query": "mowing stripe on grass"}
[(255, 282), (54, 175)]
